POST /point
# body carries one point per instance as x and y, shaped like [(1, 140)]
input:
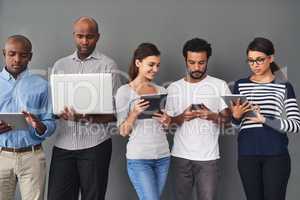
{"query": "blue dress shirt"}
[(30, 93)]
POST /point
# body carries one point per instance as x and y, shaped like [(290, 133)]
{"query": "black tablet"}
[(157, 102)]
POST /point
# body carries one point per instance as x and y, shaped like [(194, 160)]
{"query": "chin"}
[(149, 78)]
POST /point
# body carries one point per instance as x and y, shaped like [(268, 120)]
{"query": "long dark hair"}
[(265, 46), (142, 51)]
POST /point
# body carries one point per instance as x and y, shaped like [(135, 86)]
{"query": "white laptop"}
[(85, 93)]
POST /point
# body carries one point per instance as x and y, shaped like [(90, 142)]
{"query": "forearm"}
[(283, 125), (127, 125)]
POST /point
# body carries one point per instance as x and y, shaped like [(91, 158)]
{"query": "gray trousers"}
[(203, 175)]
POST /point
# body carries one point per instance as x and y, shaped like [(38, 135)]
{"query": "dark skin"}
[(196, 62), (202, 113), (85, 37), (17, 54)]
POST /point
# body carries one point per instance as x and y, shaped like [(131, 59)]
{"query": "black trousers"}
[(265, 177), (85, 170)]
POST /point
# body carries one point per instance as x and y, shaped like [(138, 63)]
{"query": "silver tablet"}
[(15, 120), (233, 98)]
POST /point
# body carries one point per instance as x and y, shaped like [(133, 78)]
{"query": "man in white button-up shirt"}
[(82, 151)]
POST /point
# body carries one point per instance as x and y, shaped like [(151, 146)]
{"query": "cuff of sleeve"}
[(50, 128), (40, 135), (235, 121), (273, 123)]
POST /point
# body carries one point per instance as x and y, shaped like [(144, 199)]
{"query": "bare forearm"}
[(127, 125)]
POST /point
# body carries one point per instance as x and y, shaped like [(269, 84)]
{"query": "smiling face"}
[(86, 37), (148, 67), (17, 56), (259, 62), (196, 63)]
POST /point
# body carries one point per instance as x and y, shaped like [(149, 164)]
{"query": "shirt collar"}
[(95, 55), (7, 76)]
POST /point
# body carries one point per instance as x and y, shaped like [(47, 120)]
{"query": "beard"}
[(197, 74)]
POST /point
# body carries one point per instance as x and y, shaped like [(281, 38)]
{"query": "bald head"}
[(86, 21), (85, 36), (24, 41)]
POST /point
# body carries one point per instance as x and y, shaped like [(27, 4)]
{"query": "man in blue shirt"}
[(21, 155)]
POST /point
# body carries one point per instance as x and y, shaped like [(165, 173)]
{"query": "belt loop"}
[(32, 148), (0, 149)]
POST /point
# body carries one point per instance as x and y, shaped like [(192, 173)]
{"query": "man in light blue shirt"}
[(21, 155)]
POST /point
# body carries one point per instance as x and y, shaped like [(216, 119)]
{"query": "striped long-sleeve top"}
[(278, 104)]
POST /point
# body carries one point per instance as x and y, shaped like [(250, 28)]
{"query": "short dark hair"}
[(21, 38), (196, 45)]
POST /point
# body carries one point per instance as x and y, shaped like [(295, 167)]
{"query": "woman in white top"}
[(148, 154)]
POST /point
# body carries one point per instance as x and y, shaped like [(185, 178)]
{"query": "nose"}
[(17, 59), (155, 69), (84, 41), (198, 66)]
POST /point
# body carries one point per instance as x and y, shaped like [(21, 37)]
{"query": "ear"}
[(97, 37), (3, 52), (30, 56), (137, 63), (271, 58)]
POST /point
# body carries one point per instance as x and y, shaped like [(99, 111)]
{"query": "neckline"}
[(249, 79), (203, 80), (135, 92)]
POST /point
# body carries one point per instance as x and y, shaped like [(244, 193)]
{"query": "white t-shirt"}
[(147, 140), (196, 139)]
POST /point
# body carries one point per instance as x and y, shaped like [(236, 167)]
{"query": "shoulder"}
[(124, 89), (217, 84), (34, 81), (108, 61), (289, 89), (175, 84), (61, 63), (215, 80), (36, 77), (241, 81)]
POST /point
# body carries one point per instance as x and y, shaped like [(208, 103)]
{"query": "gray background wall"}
[(228, 24)]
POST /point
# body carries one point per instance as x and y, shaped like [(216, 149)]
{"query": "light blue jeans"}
[(148, 176)]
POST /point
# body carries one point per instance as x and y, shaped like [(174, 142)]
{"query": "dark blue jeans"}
[(148, 176)]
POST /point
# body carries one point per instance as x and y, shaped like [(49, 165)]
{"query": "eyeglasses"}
[(258, 61)]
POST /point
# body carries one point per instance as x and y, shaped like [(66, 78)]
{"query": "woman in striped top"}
[(264, 162)]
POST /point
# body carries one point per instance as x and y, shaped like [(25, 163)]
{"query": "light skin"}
[(196, 64), (17, 55), (147, 69), (259, 64), (85, 37)]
